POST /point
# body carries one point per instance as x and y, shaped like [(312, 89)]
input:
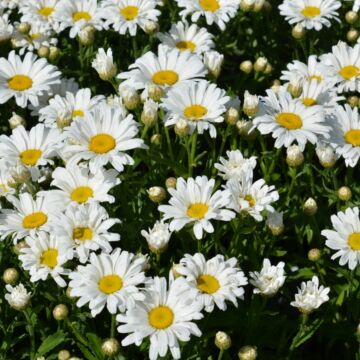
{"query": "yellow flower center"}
[(49, 258), (354, 241), (350, 71), (34, 220), (20, 82), (195, 112), (102, 143), (46, 11), (30, 157), (186, 45), (289, 121), (35, 36), (82, 194), (353, 137), (209, 5), (110, 283), (315, 77), (309, 101), (207, 284), (165, 77), (78, 113), (250, 200), (311, 11), (197, 210), (161, 317), (129, 12), (81, 15), (3, 188), (82, 233)]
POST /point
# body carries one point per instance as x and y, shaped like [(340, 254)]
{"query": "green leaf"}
[(95, 344), (51, 342), (305, 333)]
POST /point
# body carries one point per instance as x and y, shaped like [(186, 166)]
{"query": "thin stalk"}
[(30, 329)]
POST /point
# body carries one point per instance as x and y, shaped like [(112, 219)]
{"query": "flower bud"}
[(182, 128), (155, 92), (310, 207), (247, 353), (358, 330), (16, 120), (260, 64), (275, 223), (60, 312), (267, 6), (222, 340), (24, 28), (314, 254), (87, 35), (246, 66), (149, 114), (247, 5), (170, 183), (64, 355), (68, 293), (251, 104), (151, 27), (269, 69), (11, 276), (157, 194), (294, 156), (298, 31), (54, 53), (158, 237), (175, 270), (110, 347), (156, 139), (352, 35), (20, 245), (295, 87), (244, 127), (351, 17), (64, 118), (213, 61), (18, 297), (130, 97), (43, 51), (259, 5), (326, 155), (231, 116), (344, 193), (353, 101), (104, 64)]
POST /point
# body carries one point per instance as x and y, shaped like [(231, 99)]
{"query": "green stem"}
[(193, 141), (167, 135), (221, 353), (30, 329), (113, 325)]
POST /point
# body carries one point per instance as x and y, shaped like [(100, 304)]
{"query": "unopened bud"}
[(11, 276), (269, 69), (149, 114), (60, 312), (110, 347), (247, 5), (175, 270), (246, 66), (314, 254), (294, 156), (351, 17), (231, 116), (24, 28), (326, 155), (43, 51), (259, 5), (247, 353), (344, 193), (157, 194), (251, 104), (87, 35), (244, 127), (16, 120), (352, 35), (222, 340), (20, 245), (156, 139), (310, 207), (130, 97), (155, 92), (295, 87), (182, 128), (151, 27), (64, 355), (298, 31), (54, 53), (353, 101), (260, 64), (213, 61), (170, 183)]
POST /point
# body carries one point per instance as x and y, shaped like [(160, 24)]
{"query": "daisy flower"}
[(251, 197), (193, 202), (311, 14), (29, 217), (157, 237), (310, 296), (88, 227), (110, 280), (187, 37), (269, 280), (30, 149), (46, 256), (62, 110), (103, 137), (216, 280), (345, 133), (200, 103), (76, 14), (17, 297), (27, 79), (169, 67), (235, 166), (104, 64), (166, 317), (344, 66), (77, 185), (215, 11), (6, 28), (345, 238), (313, 70), (34, 11), (290, 120), (128, 15)]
